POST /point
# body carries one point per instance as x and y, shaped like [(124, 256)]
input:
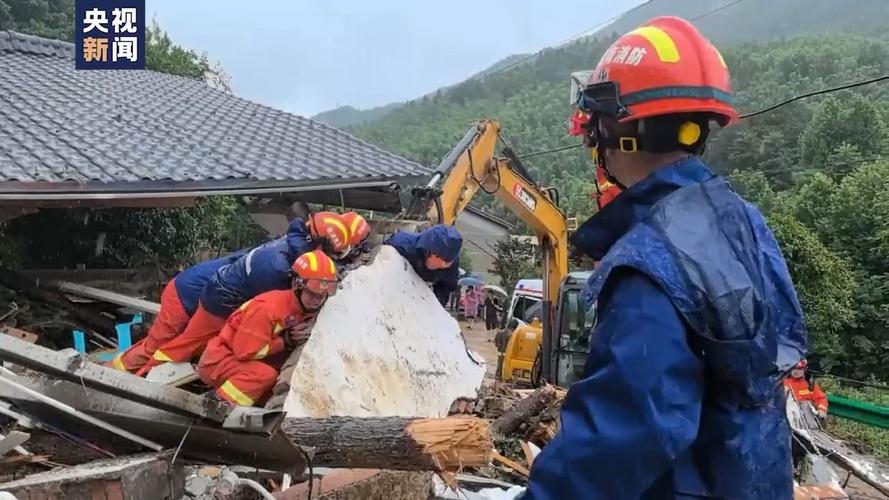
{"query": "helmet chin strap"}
[(600, 160)]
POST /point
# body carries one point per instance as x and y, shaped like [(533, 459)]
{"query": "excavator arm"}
[(473, 166)]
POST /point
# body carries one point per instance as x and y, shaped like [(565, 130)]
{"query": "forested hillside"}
[(724, 21), (816, 167)]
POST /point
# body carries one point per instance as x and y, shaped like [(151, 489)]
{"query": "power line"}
[(568, 40), (713, 11), (548, 151), (815, 93)]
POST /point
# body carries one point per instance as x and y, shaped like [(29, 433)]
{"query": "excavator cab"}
[(572, 327)]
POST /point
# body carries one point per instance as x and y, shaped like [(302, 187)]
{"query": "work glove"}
[(298, 334)]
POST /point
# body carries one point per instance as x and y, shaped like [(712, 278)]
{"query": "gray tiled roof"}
[(114, 130)]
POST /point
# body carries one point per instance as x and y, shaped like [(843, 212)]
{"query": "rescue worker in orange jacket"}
[(803, 390), (243, 361), (179, 300), (263, 268)]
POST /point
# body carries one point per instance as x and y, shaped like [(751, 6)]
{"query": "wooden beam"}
[(11, 279), (127, 478), (108, 296), (396, 443), (526, 409), (70, 366), (19, 334)]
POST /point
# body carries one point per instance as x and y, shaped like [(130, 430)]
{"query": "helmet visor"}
[(320, 287), (602, 99)]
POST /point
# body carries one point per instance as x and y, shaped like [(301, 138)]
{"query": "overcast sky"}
[(310, 56)]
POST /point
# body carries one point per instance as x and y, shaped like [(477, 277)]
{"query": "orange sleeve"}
[(256, 334), (819, 398)]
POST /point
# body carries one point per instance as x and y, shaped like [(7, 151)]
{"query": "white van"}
[(526, 294)]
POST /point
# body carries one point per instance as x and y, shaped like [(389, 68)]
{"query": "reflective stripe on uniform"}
[(118, 363), (278, 328), (249, 259), (245, 305), (160, 356), (804, 392), (235, 394), (661, 41), (262, 352)]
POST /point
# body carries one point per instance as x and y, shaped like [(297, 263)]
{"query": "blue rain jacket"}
[(698, 322), (442, 240), (264, 268), (190, 282)]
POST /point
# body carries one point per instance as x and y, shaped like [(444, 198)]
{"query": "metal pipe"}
[(4, 378), (448, 162)]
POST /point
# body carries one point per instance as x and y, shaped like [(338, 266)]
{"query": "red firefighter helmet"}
[(316, 272), (359, 229), (332, 230), (664, 67), (801, 365)]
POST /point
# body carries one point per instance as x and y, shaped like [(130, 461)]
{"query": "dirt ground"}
[(482, 342)]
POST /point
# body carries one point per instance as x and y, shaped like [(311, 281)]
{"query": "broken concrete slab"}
[(173, 374), (129, 478), (383, 346)]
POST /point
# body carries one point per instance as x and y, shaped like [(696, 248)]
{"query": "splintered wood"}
[(453, 443)]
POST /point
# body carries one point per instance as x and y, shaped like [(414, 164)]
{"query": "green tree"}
[(852, 121), (46, 18), (825, 285), (515, 259), (465, 261)]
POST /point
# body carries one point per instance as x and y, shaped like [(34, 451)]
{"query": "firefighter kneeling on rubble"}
[(698, 320), (243, 361)]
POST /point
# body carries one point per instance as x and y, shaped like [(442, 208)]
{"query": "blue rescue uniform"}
[(442, 240), (264, 268), (698, 321)]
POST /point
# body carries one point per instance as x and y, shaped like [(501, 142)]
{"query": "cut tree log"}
[(525, 410), (397, 443), (11, 279)]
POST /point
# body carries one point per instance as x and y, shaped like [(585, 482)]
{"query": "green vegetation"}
[(816, 168), (874, 439)]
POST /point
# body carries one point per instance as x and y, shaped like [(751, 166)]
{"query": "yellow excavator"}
[(552, 347)]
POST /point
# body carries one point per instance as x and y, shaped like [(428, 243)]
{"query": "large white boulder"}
[(383, 346)]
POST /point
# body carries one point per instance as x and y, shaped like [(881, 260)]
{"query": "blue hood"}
[(297, 237), (444, 241)]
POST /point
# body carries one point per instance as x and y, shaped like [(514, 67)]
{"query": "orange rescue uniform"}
[(801, 392), (170, 321), (243, 361)]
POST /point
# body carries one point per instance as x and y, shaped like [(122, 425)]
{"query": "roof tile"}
[(61, 125)]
